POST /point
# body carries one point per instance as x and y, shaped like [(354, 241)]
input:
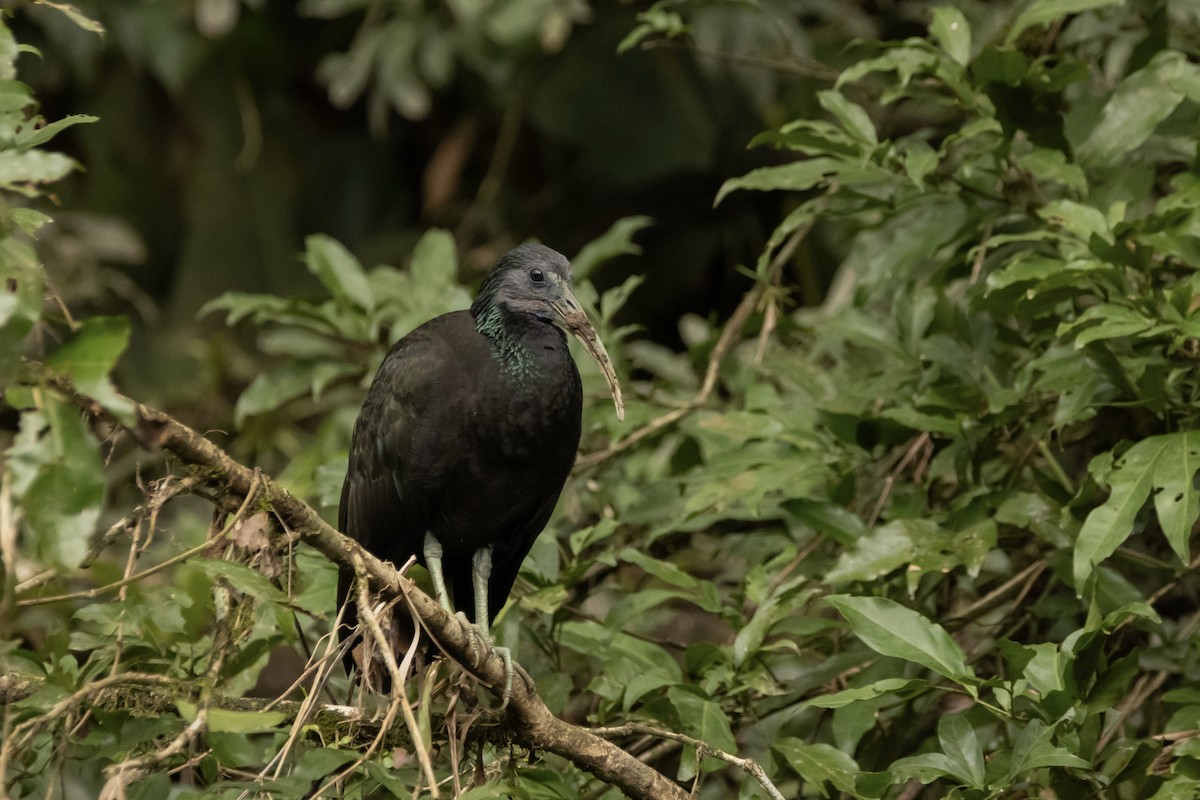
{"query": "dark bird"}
[(467, 435)]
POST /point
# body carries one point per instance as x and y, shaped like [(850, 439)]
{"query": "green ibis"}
[(467, 435)]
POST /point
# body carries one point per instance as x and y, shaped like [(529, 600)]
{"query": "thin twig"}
[(58, 301), (792, 64), (980, 253), (529, 723), (770, 320), (493, 179), (703, 749), (23, 732), (10, 518), (308, 706), (725, 341), (915, 447), (1144, 687), (996, 596), (398, 672), (399, 699), (99, 590), (88, 594), (126, 772)]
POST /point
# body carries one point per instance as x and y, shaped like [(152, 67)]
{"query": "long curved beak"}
[(571, 316)]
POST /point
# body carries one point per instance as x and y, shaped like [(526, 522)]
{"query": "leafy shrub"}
[(935, 530)]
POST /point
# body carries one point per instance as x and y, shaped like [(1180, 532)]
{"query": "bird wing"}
[(385, 504), (382, 506), (443, 446)]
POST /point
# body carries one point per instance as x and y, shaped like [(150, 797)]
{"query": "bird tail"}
[(361, 657)]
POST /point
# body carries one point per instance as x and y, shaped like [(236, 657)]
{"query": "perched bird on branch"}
[(467, 435)]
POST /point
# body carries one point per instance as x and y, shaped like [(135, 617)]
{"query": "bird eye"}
[(536, 275)]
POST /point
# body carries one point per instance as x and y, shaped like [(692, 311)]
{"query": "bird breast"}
[(535, 410)]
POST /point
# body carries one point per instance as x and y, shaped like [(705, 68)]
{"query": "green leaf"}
[(1041, 12), (797, 176), (223, 720), (706, 595), (750, 636), (87, 358), (1135, 609), (883, 550), (961, 746), (434, 258), (1083, 221), (893, 630), (1113, 685), (1105, 321), (614, 299), (241, 578), (869, 692), (919, 160), (405, 299), (1052, 165), (632, 667), (273, 388), (840, 524), (616, 241), (586, 537), (702, 718), (29, 221), (1046, 669), (926, 767), (20, 302), (818, 764), (1140, 103), (32, 135), (315, 762), (656, 19), (33, 166), (952, 32), (1034, 749), (14, 95), (339, 271), (1176, 500), (851, 116), (59, 478), (913, 57), (1001, 65), (920, 543), (1166, 464), (239, 305)]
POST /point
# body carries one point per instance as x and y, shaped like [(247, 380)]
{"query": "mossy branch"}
[(530, 722)]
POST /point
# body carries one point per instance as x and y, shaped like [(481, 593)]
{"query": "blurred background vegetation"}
[(231, 130), (904, 502)]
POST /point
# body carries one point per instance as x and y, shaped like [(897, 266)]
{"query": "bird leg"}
[(433, 562), (481, 572)]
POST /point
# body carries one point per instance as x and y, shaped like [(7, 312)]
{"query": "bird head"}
[(536, 281)]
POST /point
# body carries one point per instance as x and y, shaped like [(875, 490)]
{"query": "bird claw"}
[(474, 635), (506, 655), (481, 638)]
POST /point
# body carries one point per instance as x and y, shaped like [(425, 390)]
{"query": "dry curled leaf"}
[(251, 533)]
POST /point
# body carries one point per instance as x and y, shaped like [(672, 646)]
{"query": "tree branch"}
[(529, 720), (728, 337), (138, 695)]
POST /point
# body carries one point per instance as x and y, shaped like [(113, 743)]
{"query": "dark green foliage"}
[(933, 526)]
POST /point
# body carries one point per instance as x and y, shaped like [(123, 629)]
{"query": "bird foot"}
[(506, 655), (475, 634), (481, 642)]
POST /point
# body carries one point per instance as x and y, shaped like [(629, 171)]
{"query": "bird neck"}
[(511, 338)]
